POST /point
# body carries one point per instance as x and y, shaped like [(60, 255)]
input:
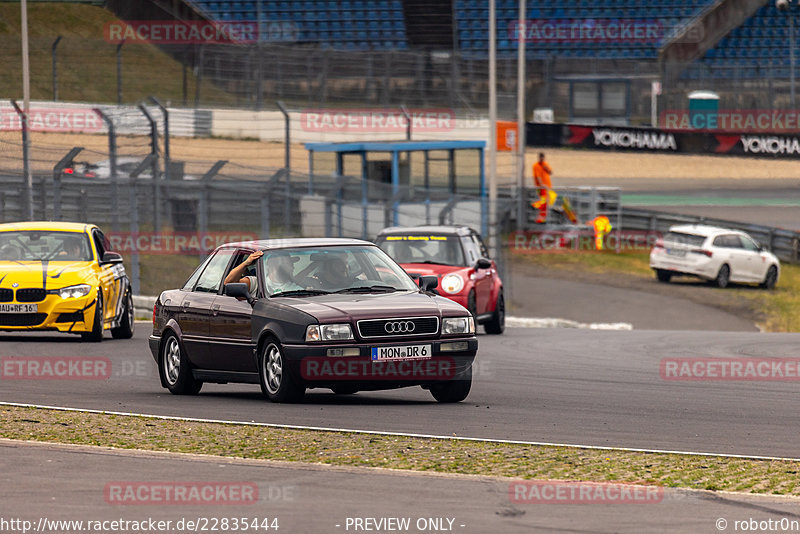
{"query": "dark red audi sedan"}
[(311, 313)]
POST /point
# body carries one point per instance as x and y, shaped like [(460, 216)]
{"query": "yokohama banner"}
[(664, 141)]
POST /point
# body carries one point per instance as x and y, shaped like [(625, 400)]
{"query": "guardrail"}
[(785, 244)]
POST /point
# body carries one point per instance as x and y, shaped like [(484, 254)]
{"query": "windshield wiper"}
[(301, 293), (368, 289)]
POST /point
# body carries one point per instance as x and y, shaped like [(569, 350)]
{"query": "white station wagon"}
[(716, 254)]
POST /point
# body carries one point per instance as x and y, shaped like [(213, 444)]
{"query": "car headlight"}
[(73, 292), (329, 332), (458, 325), (452, 283)]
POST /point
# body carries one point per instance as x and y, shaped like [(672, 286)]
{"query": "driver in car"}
[(71, 249), (334, 273)]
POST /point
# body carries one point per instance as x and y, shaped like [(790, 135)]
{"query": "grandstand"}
[(346, 24), (434, 52), (387, 25), (757, 47)]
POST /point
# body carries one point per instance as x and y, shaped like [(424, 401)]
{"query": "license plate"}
[(19, 308), (676, 252), (408, 352)]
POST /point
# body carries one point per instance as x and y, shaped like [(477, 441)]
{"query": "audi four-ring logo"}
[(399, 327)]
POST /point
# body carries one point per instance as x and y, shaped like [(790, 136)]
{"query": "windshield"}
[(44, 245), (322, 270), (418, 248)]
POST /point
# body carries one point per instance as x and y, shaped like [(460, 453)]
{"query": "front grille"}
[(72, 317), (22, 319), (31, 295), (377, 327), (6, 295)]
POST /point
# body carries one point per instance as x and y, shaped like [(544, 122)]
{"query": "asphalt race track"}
[(588, 387), (69, 483)]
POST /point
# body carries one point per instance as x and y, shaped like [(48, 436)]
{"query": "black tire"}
[(771, 279), (453, 390), (663, 276), (344, 389), (96, 335), (276, 380), (175, 369), (723, 276), (126, 324), (471, 306), (497, 324), (173, 364)]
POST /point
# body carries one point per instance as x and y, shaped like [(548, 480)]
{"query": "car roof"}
[(46, 225), (277, 244), (427, 229), (702, 230)]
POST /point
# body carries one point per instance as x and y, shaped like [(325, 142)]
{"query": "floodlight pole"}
[(55, 67), (493, 230), (791, 58), (521, 35), (26, 108)]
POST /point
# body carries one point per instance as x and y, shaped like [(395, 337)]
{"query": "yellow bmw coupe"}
[(62, 276)]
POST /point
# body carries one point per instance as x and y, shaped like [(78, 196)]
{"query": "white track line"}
[(397, 434), (549, 322)]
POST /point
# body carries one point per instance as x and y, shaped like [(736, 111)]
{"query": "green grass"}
[(395, 452), (779, 308), (630, 263), (86, 62)]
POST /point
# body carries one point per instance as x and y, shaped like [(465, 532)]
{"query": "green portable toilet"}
[(703, 110)]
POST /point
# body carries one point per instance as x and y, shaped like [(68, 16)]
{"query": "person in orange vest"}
[(541, 179), (602, 227)]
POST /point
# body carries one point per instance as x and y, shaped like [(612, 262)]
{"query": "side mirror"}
[(428, 283), (238, 290), (483, 263), (110, 258)]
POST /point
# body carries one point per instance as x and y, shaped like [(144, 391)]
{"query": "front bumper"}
[(313, 365), (74, 315)]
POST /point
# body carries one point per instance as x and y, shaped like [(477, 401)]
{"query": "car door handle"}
[(214, 309), (185, 305)]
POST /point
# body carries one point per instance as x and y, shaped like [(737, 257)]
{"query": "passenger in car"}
[(251, 280), (280, 275)]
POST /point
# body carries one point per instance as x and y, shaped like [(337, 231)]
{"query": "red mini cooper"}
[(458, 257)]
